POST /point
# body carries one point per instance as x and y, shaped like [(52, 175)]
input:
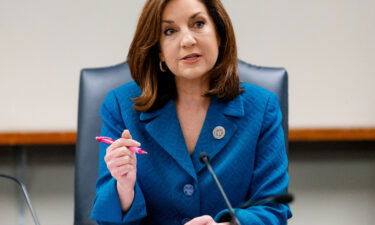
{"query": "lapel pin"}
[(218, 132)]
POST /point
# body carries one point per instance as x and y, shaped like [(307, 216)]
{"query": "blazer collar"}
[(233, 108), (224, 114), (165, 129)]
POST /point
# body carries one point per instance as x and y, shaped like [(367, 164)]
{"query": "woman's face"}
[(189, 42)]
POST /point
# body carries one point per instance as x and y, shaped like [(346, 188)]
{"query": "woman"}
[(187, 99)]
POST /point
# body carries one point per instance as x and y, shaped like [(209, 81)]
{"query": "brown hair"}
[(158, 87)]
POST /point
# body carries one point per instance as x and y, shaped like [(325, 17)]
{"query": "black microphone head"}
[(203, 157), (286, 198)]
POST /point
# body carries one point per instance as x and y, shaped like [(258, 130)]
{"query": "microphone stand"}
[(25, 193), (204, 159)]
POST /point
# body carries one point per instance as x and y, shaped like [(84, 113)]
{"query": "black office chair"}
[(94, 85)]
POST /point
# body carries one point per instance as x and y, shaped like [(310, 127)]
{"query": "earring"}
[(161, 67)]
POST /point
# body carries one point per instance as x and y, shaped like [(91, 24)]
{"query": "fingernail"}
[(137, 142)]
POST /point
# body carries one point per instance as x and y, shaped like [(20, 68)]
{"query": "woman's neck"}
[(190, 93)]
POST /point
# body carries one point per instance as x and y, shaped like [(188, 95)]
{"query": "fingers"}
[(117, 172), (120, 159), (120, 162), (202, 220), (123, 143), (118, 155), (126, 134)]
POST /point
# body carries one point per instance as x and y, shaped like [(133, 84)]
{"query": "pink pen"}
[(109, 141)]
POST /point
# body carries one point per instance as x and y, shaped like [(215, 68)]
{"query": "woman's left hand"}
[(204, 220)]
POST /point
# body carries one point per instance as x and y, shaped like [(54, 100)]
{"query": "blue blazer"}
[(172, 186)]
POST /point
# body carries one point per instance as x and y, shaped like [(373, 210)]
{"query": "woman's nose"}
[(187, 39)]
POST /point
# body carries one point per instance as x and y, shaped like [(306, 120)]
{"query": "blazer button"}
[(185, 220), (218, 132), (188, 189)]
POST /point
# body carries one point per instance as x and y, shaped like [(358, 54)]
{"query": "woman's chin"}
[(191, 73), (190, 76)]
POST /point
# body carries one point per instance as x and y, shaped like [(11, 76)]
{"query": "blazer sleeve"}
[(107, 209), (270, 174)]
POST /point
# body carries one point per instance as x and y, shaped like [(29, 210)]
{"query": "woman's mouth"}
[(192, 58)]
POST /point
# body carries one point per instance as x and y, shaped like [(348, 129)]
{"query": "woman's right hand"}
[(122, 163)]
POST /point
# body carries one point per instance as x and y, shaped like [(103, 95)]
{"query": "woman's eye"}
[(168, 32), (199, 24)]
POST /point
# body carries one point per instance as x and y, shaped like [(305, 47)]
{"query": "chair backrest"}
[(95, 84)]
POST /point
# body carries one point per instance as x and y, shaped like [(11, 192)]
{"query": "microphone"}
[(203, 156), (24, 191), (282, 198)]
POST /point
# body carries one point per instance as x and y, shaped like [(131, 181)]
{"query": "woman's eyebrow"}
[(195, 15), (191, 17), (167, 21)]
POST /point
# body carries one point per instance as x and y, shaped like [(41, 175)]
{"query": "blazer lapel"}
[(219, 114), (165, 129)]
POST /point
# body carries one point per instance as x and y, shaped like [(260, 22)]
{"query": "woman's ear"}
[(161, 57)]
